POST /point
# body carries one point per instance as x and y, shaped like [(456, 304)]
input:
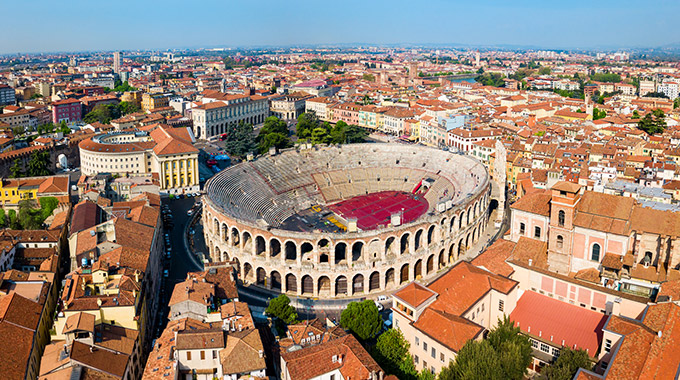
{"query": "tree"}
[(63, 128), (307, 122), (653, 122), (368, 77), (476, 360), (605, 77), (13, 222), (16, 171), (567, 364), (3, 218), (125, 108), (599, 114), (355, 134), (38, 164), (636, 114), (102, 113), (491, 79), (277, 140), (513, 348), (240, 140), (362, 319), (280, 308), (544, 70), (505, 354), (425, 374), (47, 206), (656, 94), (391, 352), (320, 136), (29, 218)]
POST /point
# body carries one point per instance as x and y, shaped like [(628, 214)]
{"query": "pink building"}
[(69, 110)]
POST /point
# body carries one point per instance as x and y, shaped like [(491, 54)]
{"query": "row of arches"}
[(323, 251), (327, 285)]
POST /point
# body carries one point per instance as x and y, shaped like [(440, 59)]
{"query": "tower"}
[(564, 198), (477, 57), (116, 62), (412, 70)]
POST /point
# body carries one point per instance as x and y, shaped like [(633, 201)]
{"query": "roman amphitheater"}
[(346, 220)]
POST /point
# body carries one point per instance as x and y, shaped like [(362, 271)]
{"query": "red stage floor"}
[(374, 210)]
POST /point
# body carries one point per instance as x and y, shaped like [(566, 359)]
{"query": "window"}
[(522, 228), (648, 259), (604, 365), (417, 341), (560, 241), (595, 252), (545, 348), (560, 218), (202, 355), (537, 232), (214, 354), (441, 357), (425, 346), (416, 359), (188, 355), (534, 344), (332, 377), (434, 353), (501, 305), (555, 352), (607, 345)]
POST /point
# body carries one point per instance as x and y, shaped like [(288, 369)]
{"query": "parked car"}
[(190, 212)]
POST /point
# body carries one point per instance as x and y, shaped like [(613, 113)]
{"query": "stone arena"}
[(273, 217)]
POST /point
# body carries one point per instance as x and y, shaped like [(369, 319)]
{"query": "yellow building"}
[(151, 101), (15, 190)]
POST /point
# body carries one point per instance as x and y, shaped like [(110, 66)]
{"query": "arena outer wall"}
[(346, 264)]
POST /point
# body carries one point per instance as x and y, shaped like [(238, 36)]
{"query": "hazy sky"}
[(70, 25)]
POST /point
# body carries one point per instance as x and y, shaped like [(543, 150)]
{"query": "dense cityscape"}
[(340, 211)]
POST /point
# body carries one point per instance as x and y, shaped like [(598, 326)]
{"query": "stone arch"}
[(340, 252), (418, 241), (429, 266), (460, 220), (404, 243), (358, 284), (307, 285), (443, 227), (274, 247), (476, 209), (418, 269), (323, 244), (430, 235), (389, 278), (247, 245), (357, 251), (461, 248), (403, 273), (275, 280), (235, 237), (260, 245), (305, 249), (468, 216), (340, 285), (290, 250), (291, 283), (225, 232), (224, 257), (442, 259), (374, 282), (452, 224), (323, 257), (248, 274), (216, 226), (389, 246), (452, 253), (261, 277), (324, 286)]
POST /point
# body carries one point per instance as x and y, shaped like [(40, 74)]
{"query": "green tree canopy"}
[(491, 79), (280, 308), (599, 114), (16, 171), (38, 164), (3, 218), (653, 122), (307, 122), (362, 319), (391, 352), (505, 354), (544, 70), (567, 364), (274, 133), (605, 77), (240, 140)]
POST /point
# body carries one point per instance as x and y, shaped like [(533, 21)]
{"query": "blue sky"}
[(66, 25)]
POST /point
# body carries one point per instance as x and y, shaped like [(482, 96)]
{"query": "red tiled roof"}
[(556, 321)]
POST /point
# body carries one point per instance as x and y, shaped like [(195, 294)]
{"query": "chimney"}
[(340, 359), (240, 327), (540, 334), (261, 353), (531, 262), (659, 334), (99, 302)]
